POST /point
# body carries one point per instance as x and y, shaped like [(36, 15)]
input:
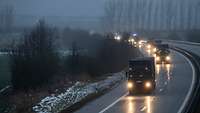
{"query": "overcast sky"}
[(57, 7)]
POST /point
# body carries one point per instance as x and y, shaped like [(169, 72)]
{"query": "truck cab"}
[(141, 75), (163, 54)]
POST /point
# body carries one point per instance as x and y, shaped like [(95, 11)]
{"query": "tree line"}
[(35, 61), (6, 18), (159, 15)]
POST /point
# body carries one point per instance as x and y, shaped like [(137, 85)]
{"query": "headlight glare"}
[(130, 85), (148, 46), (158, 58), (168, 58), (154, 50), (148, 84)]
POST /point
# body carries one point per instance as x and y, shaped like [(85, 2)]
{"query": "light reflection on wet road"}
[(172, 84), (145, 103), (137, 104)]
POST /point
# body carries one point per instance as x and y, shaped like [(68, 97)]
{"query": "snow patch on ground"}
[(74, 94)]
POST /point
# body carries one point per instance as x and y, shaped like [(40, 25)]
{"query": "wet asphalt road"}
[(173, 83)]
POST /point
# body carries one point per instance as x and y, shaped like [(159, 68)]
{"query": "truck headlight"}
[(130, 85), (148, 46), (154, 49), (168, 58), (148, 84), (157, 58)]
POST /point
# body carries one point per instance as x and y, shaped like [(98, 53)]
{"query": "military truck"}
[(141, 75), (163, 54)]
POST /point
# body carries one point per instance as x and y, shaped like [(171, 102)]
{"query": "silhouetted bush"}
[(83, 39), (76, 65), (114, 55), (111, 56), (34, 61)]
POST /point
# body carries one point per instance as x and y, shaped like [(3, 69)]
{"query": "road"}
[(192, 48), (173, 84)]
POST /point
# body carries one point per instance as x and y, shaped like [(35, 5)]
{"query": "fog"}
[(88, 14), (56, 7), (75, 13)]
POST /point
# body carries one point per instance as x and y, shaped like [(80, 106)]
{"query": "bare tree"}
[(119, 15), (166, 15), (109, 17), (6, 18), (129, 15), (113, 18), (35, 60)]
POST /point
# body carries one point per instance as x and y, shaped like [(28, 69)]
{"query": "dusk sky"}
[(57, 7)]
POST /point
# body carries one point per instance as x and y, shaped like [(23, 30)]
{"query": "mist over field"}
[(75, 13), (88, 14)]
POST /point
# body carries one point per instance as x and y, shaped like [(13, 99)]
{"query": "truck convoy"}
[(141, 75)]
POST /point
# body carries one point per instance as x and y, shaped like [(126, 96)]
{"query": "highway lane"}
[(173, 83)]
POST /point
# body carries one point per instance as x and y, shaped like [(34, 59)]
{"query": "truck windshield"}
[(162, 52), (140, 68)]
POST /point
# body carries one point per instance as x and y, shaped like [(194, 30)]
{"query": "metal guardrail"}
[(193, 102), (182, 42), (5, 90)]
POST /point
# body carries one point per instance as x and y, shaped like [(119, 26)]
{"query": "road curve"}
[(193, 48), (173, 83)]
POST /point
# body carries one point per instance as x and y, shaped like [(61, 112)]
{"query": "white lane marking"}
[(143, 108), (111, 105), (3, 89), (191, 86)]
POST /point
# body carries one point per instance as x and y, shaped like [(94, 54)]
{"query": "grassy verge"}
[(4, 80), (80, 104), (22, 102), (86, 100), (4, 71)]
